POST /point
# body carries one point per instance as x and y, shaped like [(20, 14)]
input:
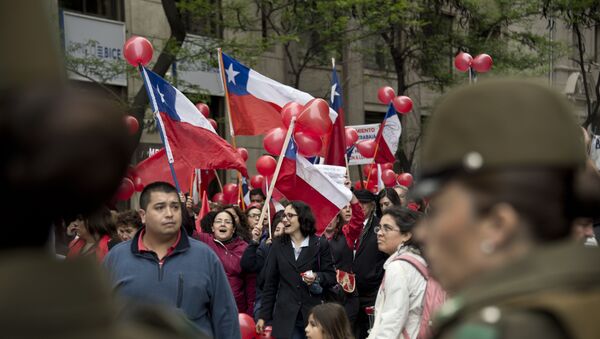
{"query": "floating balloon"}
[(137, 51), (309, 144), (351, 137), (404, 179), (366, 148), (315, 117), (214, 124), (219, 198), (132, 124), (482, 63), (125, 190), (290, 110), (386, 94), (265, 165), (388, 177), (204, 109), (387, 165), (462, 61), (359, 186), (243, 153), (273, 141), (373, 173), (402, 104), (257, 181), (367, 169), (372, 186), (247, 326)]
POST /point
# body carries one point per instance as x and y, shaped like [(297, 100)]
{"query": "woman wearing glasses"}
[(298, 268), (398, 306), (229, 247)]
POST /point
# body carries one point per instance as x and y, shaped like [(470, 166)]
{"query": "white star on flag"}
[(334, 93), (162, 96), (231, 74)]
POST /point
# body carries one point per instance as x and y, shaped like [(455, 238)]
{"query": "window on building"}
[(373, 117), (376, 54), (109, 9), (437, 44), (203, 20)]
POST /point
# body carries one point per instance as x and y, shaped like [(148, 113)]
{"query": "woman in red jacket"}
[(229, 247)]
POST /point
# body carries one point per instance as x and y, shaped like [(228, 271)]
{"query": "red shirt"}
[(143, 248)]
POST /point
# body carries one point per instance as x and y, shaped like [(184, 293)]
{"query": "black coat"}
[(368, 260), (285, 294)]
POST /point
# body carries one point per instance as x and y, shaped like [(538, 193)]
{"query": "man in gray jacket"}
[(162, 265)]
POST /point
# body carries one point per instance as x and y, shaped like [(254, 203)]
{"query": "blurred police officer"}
[(503, 162)]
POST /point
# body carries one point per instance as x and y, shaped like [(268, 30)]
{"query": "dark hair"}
[(306, 219), (406, 220), (129, 218), (207, 221), (159, 186), (277, 218), (389, 193), (333, 320), (241, 216), (100, 223), (257, 191), (547, 200)]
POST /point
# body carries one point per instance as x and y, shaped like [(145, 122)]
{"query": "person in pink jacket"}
[(229, 247)]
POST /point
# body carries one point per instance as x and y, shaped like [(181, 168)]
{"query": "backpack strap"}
[(415, 263)]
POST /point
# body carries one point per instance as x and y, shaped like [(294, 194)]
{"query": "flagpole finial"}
[(333, 62)]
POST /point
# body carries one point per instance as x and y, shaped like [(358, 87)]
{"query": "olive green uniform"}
[(552, 293)]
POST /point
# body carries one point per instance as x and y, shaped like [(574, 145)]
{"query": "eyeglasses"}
[(289, 216), (226, 222), (384, 229), (254, 215)]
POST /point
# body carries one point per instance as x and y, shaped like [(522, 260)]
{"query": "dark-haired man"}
[(163, 265), (257, 196)]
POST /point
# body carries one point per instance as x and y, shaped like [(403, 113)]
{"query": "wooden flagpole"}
[(277, 169)]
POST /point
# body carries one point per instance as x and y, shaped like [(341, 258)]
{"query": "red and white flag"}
[(388, 137)]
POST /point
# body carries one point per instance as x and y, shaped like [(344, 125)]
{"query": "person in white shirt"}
[(398, 306)]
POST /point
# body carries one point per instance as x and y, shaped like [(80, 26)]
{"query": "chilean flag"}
[(388, 137), (300, 180), (255, 101), (188, 135), (336, 151)]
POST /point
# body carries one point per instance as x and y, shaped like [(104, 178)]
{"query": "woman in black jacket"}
[(298, 268)]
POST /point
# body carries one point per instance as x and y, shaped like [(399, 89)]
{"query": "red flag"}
[(203, 212)]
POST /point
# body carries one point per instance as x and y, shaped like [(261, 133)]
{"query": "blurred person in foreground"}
[(503, 163)]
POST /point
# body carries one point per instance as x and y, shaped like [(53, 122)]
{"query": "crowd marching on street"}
[(495, 238)]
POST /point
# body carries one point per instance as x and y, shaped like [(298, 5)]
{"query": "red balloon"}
[(132, 124), (309, 144), (402, 104), (265, 165), (131, 172), (138, 184), (482, 63), (257, 181), (358, 186), (243, 153), (290, 110), (367, 169), (351, 137), (213, 123), (126, 189), (204, 109), (219, 198), (462, 61), (230, 193), (273, 141), (366, 148), (388, 177), (386, 94), (404, 179), (372, 186), (373, 173), (247, 326), (387, 165), (315, 117), (138, 51)]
